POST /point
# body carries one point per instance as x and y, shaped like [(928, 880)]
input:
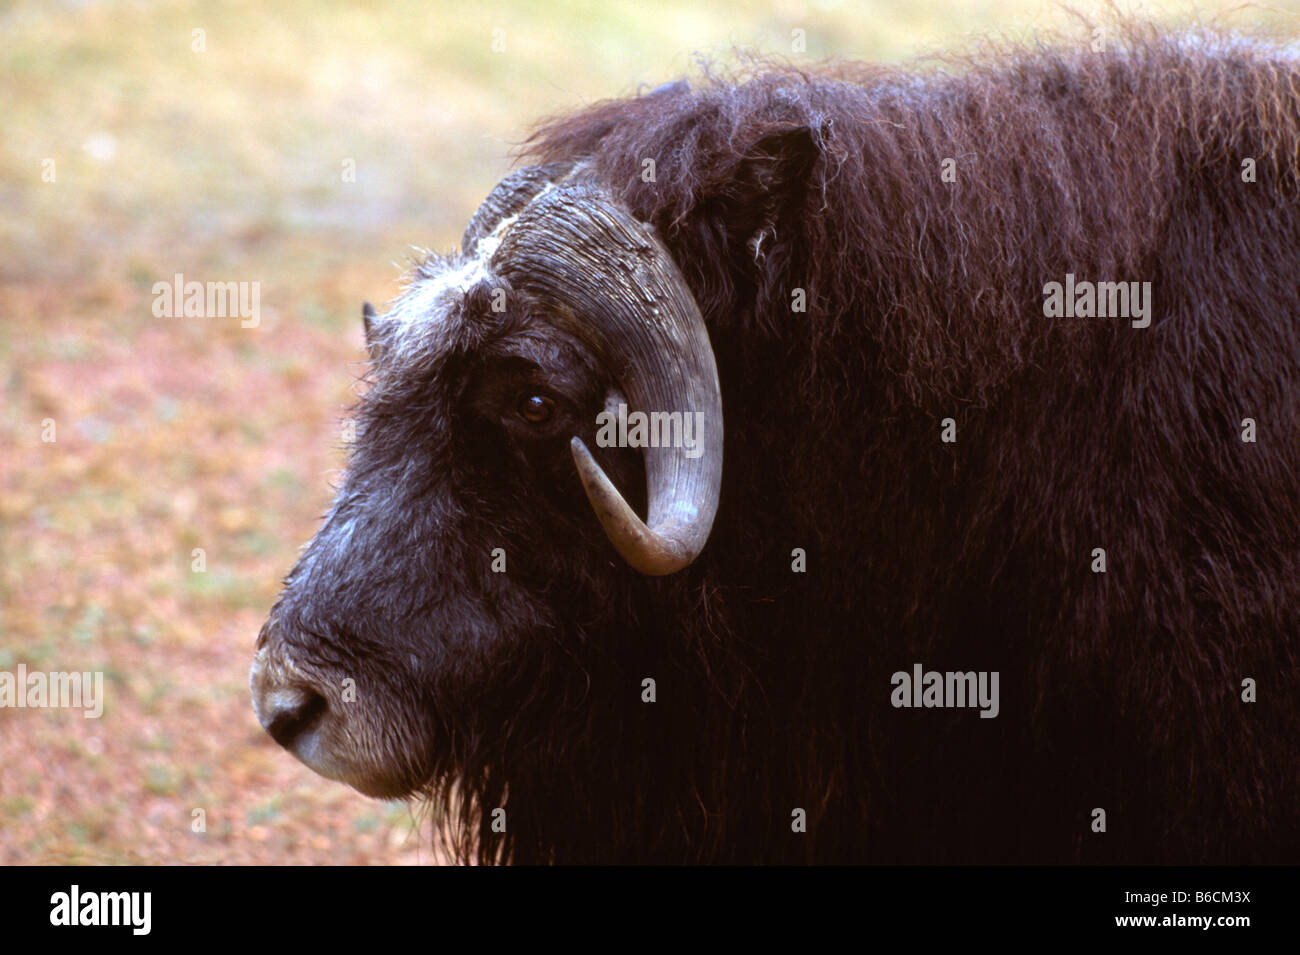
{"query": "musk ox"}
[(990, 563)]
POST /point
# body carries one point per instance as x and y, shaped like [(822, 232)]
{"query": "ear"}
[(767, 187)]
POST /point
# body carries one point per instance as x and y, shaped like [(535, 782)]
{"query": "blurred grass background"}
[(173, 434)]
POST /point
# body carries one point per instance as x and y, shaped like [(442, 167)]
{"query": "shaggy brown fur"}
[(1119, 690)]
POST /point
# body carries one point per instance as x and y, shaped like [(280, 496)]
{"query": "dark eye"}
[(536, 408)]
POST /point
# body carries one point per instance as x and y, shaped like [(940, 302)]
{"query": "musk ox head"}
[(461, 547)]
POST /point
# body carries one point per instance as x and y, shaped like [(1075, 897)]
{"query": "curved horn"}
[(609, 281), (509, 196)]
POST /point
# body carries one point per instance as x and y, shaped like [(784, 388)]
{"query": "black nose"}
[(291, 712)]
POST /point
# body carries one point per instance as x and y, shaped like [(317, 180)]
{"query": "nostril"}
[(291, 712)]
